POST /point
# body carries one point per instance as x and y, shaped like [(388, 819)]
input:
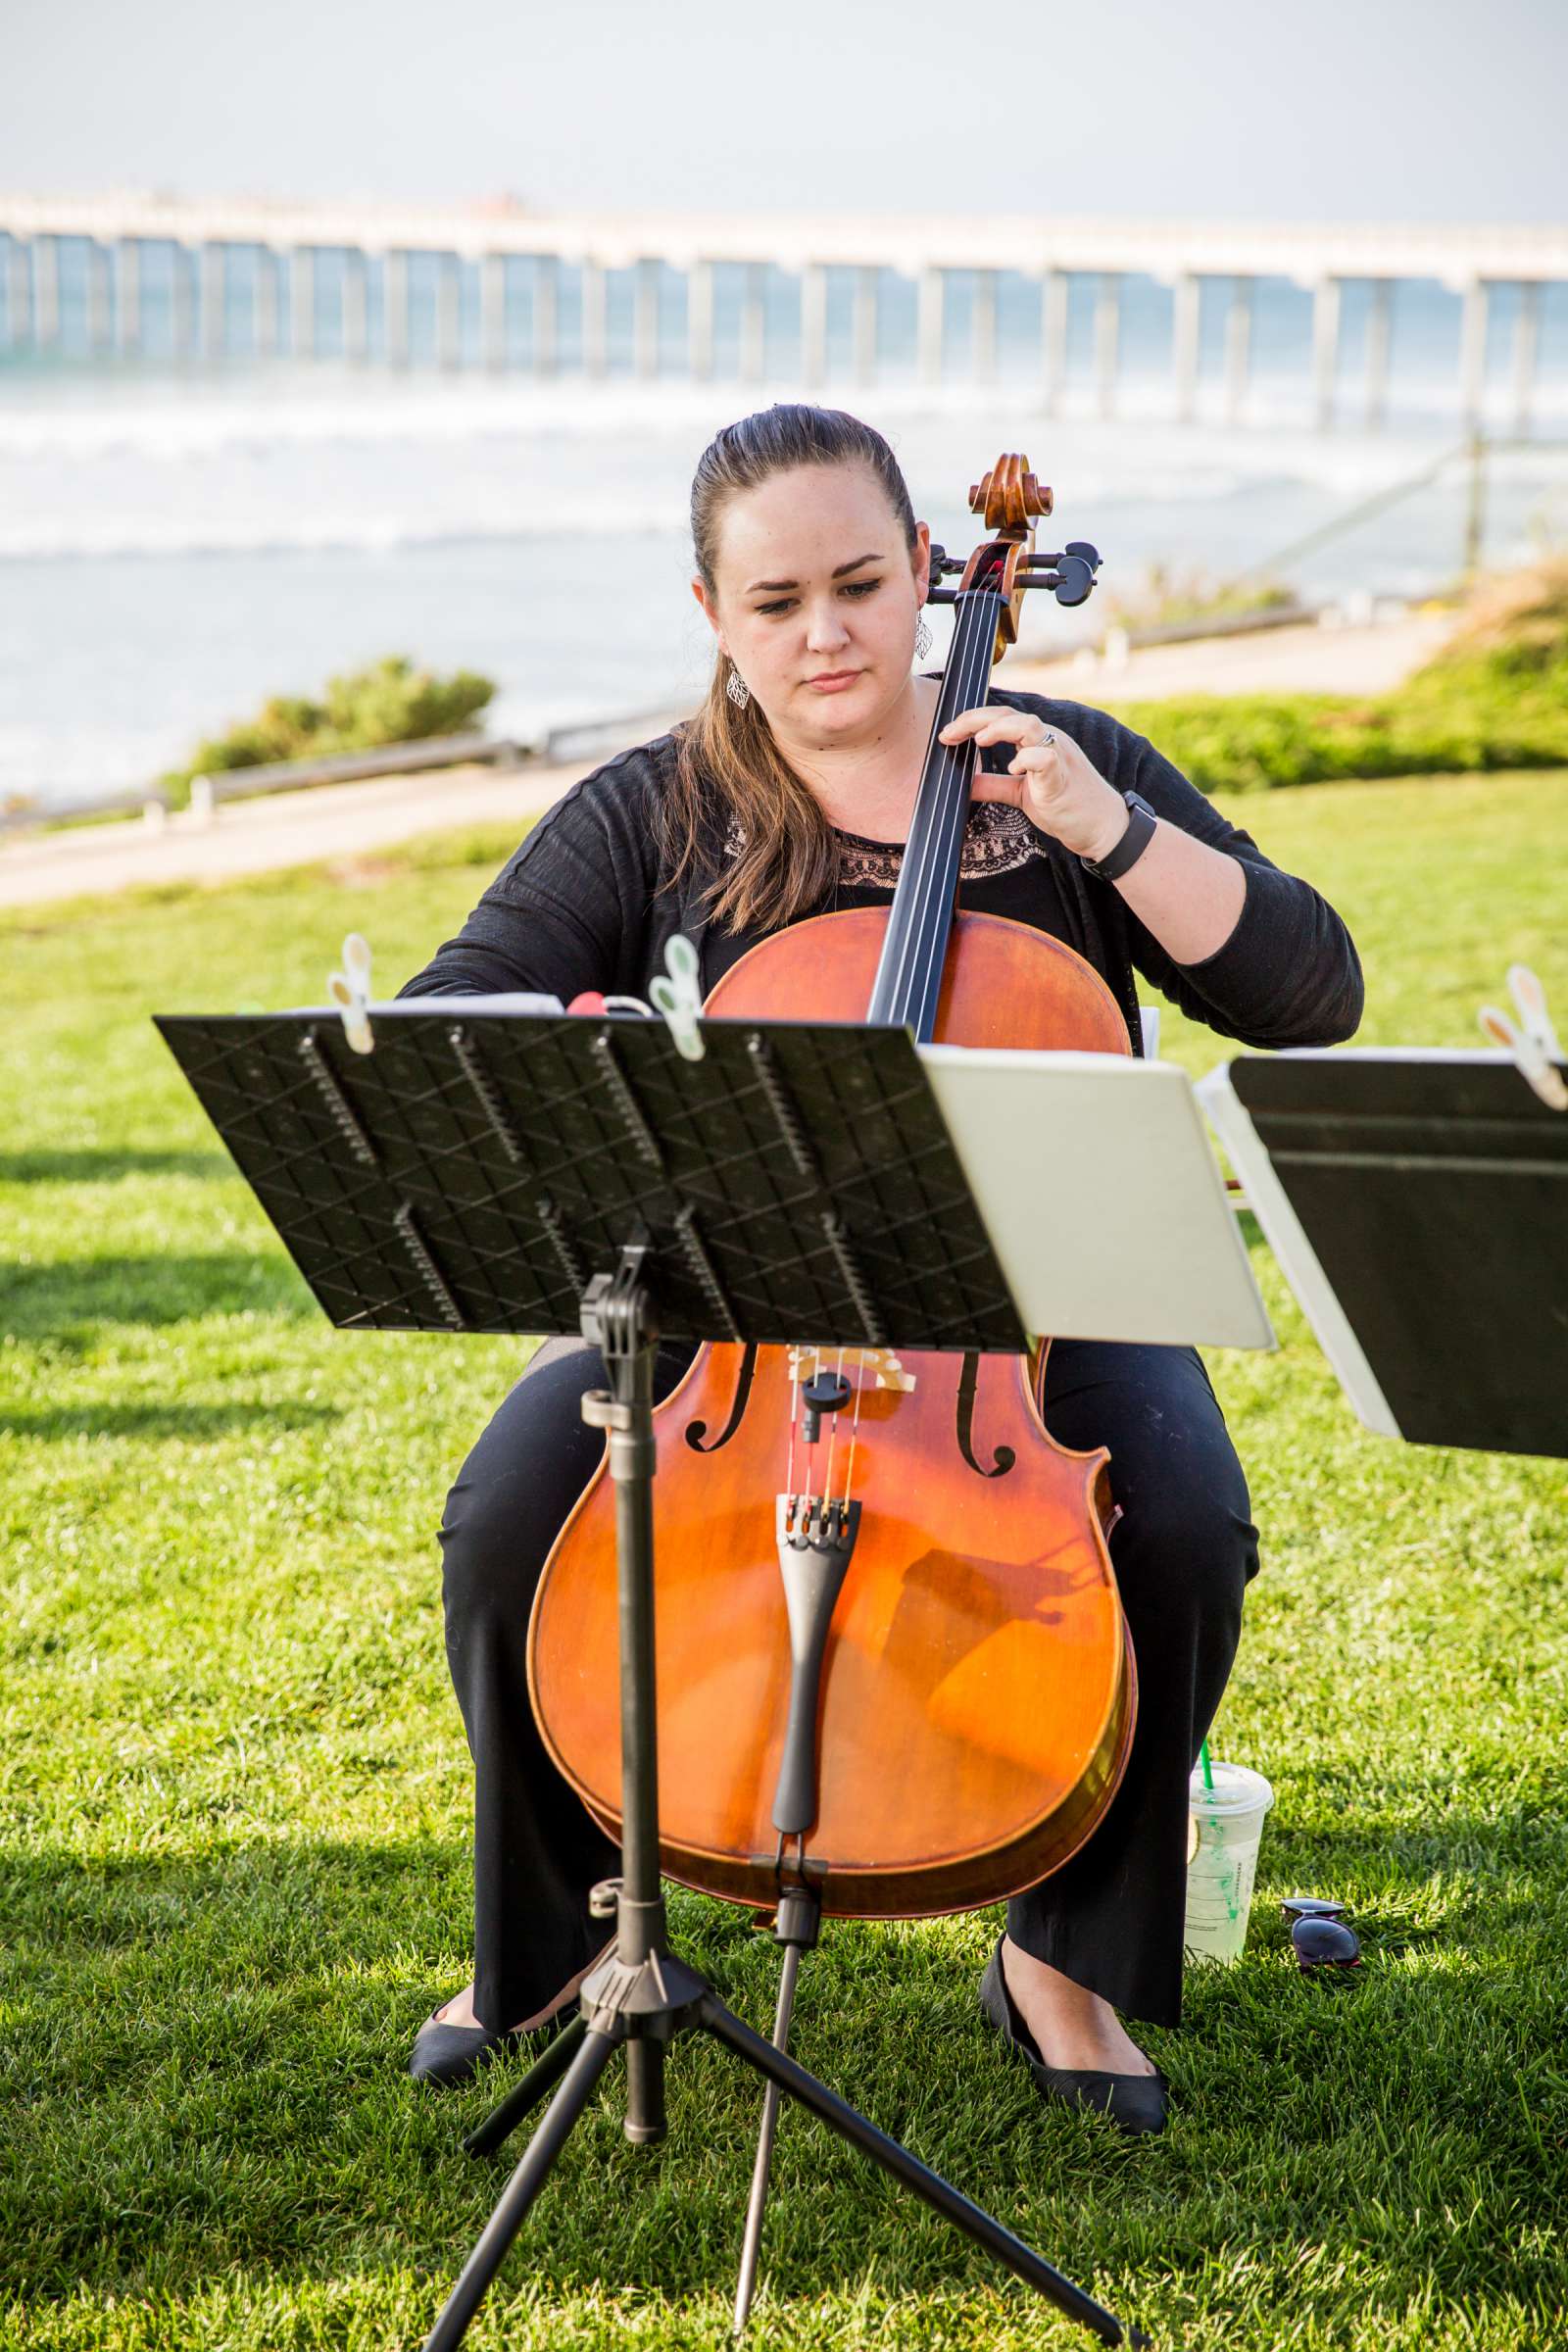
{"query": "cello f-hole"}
[(696, 1431), (1003, 1457)]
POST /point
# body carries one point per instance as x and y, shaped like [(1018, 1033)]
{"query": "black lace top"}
[(588, 902)]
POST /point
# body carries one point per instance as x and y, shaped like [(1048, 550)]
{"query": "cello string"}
[(948, 830), (917, 945), (934, 824), (832, 1440), (854, 1430), (932, 902), (934, 818), (930, 818), (795, 1414), (919, 939), (808, 1452), (940, 816)]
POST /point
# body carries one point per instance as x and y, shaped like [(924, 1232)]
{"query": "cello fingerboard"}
[(908, 978)]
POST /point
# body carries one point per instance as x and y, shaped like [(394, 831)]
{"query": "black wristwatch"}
[(1141, 823)]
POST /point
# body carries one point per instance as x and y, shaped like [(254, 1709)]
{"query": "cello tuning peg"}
[(1084, 548), (1075, 580)]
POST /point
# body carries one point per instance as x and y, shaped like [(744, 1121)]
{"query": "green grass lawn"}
[(234, 1862)]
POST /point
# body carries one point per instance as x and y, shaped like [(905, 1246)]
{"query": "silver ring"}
[(1050, 735)]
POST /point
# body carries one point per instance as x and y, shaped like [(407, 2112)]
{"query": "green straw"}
[(1209, 1769)]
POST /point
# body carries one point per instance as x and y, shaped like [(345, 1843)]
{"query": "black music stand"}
[(1415, 1200), (481, 1170)]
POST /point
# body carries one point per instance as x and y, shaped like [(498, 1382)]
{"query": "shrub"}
[(1162, 596), (389, 702), (1497, 696)]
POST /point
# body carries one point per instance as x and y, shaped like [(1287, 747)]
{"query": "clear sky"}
[(1418, 109)]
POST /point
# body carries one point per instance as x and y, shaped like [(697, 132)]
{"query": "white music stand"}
[(1099, 1188)]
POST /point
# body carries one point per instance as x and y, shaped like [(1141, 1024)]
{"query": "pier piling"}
[(136, 274)]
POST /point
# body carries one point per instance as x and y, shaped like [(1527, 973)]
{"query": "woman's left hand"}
[(1055, 784)]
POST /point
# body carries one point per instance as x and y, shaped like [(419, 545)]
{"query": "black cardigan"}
[(587, 901)]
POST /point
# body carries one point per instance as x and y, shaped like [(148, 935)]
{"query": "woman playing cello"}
[(789, 795)]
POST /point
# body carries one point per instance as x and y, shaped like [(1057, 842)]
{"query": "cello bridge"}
[(881, 1362)]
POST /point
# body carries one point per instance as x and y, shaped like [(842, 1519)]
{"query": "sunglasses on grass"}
[(1319, 1937)]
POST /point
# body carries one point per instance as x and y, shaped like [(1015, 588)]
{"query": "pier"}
[(501, 288)]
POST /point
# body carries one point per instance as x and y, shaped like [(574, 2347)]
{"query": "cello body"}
[(977, 1694)]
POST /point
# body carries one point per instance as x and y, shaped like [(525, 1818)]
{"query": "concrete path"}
[(1294, 661), (342, 821), (287, 828)]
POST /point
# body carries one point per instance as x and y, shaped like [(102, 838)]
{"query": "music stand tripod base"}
[(643, 1994), (469, 1174)]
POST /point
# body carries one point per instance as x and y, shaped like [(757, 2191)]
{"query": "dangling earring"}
[(735, 686), (922, 639)]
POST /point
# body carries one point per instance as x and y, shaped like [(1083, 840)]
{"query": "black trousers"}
[(1111, 1919)]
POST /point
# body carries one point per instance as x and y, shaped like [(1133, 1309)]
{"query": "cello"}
[(945, 1716)]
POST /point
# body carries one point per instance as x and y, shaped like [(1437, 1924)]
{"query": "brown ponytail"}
[(733, 794)]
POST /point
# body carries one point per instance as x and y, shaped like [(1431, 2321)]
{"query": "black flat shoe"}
[(1136, 2103), (444, 2054)]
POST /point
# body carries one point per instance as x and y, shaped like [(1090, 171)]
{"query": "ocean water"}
[(180, 540)]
